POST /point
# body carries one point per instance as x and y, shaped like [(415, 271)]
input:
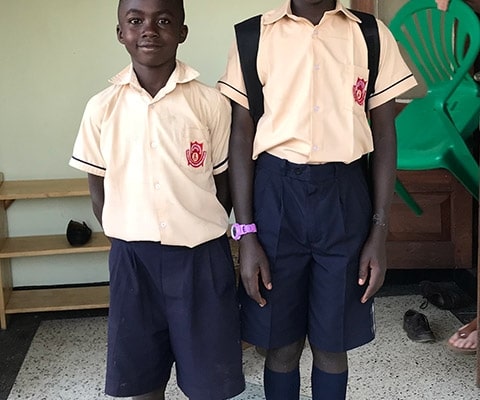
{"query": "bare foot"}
[(465, 339)]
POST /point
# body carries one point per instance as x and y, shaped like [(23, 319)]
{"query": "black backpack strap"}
[(248, 36), (369, 30)]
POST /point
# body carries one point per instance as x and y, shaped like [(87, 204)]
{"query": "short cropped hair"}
[(180, 5)]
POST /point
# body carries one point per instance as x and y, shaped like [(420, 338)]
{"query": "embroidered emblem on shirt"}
[(195, 155), (360, 91)]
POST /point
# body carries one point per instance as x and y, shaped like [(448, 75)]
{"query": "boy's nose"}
[(150, 28)]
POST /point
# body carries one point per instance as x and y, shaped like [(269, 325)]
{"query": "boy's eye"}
[(135, 21), (163, 21)]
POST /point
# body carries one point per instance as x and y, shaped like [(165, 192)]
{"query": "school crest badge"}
[(360, 91), (195, 155)]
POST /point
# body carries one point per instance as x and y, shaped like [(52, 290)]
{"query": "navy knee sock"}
[(281, 386), (327, 386)]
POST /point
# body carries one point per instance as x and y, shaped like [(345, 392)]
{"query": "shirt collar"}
[(181, 74), (285, 10)]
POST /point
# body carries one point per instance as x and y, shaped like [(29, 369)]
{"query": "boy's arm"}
[(475, 4), (383, 162), (223, 191), (97, 195), (253, 261)]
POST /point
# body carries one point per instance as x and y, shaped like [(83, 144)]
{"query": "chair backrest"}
[(443, 45)]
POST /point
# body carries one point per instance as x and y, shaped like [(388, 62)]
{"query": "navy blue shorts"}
[(312, 222), (172, 304)]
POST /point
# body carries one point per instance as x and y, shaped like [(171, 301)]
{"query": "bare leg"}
[(156, 395), (332, 363), (281, 376), (329, 375), (285, 359)]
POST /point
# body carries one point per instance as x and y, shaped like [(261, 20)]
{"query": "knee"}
[(285, 359), (332, 363)]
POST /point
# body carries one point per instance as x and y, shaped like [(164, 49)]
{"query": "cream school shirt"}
[(158, 157), (314, 82)]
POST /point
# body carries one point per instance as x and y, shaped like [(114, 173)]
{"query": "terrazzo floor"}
[(66, 360)]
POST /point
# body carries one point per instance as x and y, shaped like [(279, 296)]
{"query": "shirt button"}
[(163, 224), (316, 108), (158, 186), (315, 148), (154, 145), (316, 67)]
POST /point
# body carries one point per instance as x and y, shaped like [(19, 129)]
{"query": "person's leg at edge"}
[(158, 394), (329, 375), (282, 372), (466, 337)]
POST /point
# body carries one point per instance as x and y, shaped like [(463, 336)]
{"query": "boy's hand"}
[(253, 267), (373, 265), (442, 4)]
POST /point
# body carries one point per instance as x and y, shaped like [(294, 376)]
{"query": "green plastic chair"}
[(432, 131)]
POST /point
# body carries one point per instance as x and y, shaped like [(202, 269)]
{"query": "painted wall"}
[(55, 55)]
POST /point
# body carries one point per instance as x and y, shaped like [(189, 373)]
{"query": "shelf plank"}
[(30, 246), (60, 299), (43, 188)]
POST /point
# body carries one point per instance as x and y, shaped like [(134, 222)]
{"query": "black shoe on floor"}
[(444, 295), (417, 327)]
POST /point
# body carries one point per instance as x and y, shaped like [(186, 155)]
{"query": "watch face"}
[(238, 230), (235, 232)]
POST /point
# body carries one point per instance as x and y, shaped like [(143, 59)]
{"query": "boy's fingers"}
[(266, 278), (254, 292), (375, 283), (366, 295), (363, 273)]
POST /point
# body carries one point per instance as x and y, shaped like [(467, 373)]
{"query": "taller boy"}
[(318, 255), (155, 147)]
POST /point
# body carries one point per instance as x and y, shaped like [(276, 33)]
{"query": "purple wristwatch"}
[(238, 230)]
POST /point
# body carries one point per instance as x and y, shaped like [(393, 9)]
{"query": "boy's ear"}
[(119, 34), (183, 33)]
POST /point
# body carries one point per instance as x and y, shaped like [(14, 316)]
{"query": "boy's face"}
[(151, 30)]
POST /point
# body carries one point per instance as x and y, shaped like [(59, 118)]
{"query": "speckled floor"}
[(66, 360)]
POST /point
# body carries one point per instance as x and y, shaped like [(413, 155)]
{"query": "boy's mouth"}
[(149, 45)]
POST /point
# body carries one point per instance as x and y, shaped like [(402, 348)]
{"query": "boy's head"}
[(151, 30)]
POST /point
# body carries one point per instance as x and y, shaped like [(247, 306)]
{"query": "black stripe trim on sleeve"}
[(388, 88), (231, 87), (87, 163), (221, 164)]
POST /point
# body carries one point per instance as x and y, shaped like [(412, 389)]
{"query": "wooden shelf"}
[(31, 246), (39, 300), (43, 188), (14, 301)]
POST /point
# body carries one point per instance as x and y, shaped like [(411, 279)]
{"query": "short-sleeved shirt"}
[(314, 81), (158, 157)]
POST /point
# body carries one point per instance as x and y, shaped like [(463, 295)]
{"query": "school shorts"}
[(172, 304), (312, 222)]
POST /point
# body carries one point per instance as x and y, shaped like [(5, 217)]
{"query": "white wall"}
[(55, 55)]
